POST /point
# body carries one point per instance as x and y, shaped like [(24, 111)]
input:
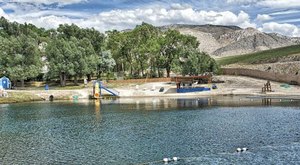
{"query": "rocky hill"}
[(219, 41)]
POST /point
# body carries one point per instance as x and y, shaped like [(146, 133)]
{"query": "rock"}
[(219, 40)]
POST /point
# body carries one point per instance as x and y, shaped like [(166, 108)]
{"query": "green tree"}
[(194, 62), (5, 50), (60, 56), (96, 38), (117, 43), (20, 58), (145, 36), (134, 51), (89, 60), (106, 64), (172, 44), (121, 45)]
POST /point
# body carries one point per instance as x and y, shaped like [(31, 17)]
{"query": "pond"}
[(146, 130)]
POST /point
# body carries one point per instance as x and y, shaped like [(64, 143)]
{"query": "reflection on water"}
[(175, 103), (266, 101), (203, 130), (98, 108)]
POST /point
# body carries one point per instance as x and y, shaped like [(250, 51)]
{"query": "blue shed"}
[(5, 83)]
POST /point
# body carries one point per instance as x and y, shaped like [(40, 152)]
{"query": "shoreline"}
[(233, 86), (34, 98)]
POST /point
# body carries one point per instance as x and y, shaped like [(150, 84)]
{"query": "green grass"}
[(54, 87), (71, 87), (19, 97), (267, 56)]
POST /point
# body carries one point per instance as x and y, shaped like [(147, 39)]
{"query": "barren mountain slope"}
[(221, 41)]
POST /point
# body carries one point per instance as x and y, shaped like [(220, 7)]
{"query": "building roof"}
[(190, 78), (4, 77)]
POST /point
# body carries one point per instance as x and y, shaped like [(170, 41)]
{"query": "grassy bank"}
[(19, 97), (267, 56), (26, 96)]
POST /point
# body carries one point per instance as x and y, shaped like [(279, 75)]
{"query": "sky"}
[(272, 16)]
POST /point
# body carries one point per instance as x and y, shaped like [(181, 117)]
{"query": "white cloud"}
[(2, 13), (293, 20), (124, 19), (285, 12), (269, 3), (179, 6), (50, 21), (160, 16), (47, 2), (40, 14), (280, 3), (263, 17), (284, 29), (242, 1)]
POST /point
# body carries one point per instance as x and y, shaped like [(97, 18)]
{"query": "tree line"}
[(70, 52)]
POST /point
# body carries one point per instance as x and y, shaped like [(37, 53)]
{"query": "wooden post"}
[(100, 86)]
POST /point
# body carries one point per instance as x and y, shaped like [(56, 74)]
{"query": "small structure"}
[(98, 86), (185, 84), (46, 87), (267, 87), (191, 79), (3, 93), (5, 83), (85, 82)]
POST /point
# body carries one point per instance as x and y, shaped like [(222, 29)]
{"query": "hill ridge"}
[(222, 40)]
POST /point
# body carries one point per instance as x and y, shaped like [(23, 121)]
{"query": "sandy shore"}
[(232, 86)]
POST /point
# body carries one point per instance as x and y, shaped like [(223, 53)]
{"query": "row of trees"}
[(66, 52), (73, 52), (19, 57), (146, 50)]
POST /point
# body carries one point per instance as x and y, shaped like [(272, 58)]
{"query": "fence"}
[(287, 78), (147, 80)]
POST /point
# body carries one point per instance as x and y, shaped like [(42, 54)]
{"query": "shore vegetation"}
[(268, 56), (69, 52)]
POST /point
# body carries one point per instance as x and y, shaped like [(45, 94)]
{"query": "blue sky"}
[(280, 16)]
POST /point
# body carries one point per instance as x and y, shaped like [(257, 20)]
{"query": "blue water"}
[(144, 131)]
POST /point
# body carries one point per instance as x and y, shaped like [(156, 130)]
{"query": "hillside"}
[(220, 41), (285, 60), (284, 54)]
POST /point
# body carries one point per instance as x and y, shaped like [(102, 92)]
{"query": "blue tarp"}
[(197, 89)]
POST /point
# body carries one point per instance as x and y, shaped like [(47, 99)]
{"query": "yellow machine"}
[(97, 90)]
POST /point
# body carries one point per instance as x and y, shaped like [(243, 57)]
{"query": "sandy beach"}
[(232, 86)]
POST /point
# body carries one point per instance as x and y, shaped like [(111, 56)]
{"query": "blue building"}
[(5, 83)]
